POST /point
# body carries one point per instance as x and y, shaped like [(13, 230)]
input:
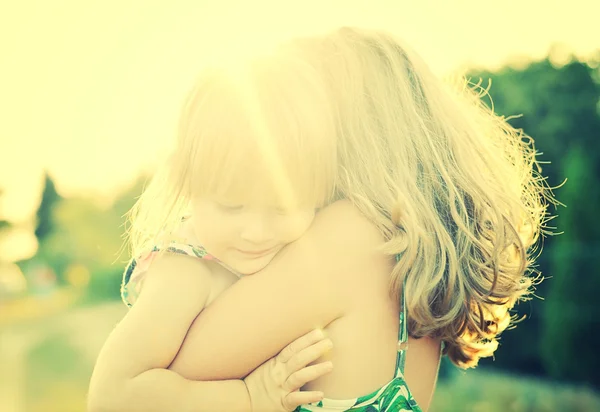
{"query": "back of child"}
[(454, 190)]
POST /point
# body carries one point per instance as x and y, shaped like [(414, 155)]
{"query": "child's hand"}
[(274, 386)]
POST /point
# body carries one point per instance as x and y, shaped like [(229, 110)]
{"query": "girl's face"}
[(254, 136), (246, 237)]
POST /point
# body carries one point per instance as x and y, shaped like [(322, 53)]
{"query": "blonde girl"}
[(254, 159)]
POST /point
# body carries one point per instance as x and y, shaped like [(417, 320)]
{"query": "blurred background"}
[(89, 95)]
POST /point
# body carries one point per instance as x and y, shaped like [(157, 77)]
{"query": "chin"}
[(250, 267)]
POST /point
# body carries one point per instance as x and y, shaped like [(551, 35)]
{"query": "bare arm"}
[(310, 282), (131, 374), (422, 367), (305, 282)]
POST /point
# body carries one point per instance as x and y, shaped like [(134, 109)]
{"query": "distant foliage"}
[(50, 198), (559, 108)]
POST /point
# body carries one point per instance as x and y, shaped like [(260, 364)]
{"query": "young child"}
[(254, 159)]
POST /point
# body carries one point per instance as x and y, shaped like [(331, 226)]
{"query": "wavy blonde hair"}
[(455, 190), (263, 120)]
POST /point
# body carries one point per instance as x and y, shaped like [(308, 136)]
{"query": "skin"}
[(246, 237), (132, 369), (334, 277)]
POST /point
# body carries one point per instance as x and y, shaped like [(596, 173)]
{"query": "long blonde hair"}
[(454, 188), (262, 120)]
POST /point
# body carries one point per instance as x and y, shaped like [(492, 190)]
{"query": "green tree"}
[(4, 224), (91, 235), (50, 198), (560, 111)]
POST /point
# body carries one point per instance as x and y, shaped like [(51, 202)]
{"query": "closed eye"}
[(231, 208), (281, 211)]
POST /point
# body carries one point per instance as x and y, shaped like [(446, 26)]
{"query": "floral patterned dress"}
[(136, 269)]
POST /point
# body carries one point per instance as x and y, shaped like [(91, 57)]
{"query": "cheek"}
[(210, 228), (295, 227)]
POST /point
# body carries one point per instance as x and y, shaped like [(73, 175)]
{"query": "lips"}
[(256, 253)]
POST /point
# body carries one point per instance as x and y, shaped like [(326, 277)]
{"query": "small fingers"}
[(300, 378), (308, 355), (299, 344), (295, 399)]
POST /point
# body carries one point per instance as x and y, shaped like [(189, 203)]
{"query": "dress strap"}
[(136, 269), (402, 331)]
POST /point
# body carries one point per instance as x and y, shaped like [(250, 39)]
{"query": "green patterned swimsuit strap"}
[(402, 331)]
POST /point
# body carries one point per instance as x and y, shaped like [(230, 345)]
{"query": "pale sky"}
[(90, 89)]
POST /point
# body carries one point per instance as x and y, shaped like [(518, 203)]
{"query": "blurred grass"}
[(47, 362), (487, 391), (32, 307)]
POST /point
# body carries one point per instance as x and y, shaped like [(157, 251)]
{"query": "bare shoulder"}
[(178, 267), (343, 242), (344, 222), (187, 278)]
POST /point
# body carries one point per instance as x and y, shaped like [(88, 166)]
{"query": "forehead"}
[(259, 185), (267, 138)]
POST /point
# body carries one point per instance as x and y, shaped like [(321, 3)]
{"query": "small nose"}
[(256, 229)]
